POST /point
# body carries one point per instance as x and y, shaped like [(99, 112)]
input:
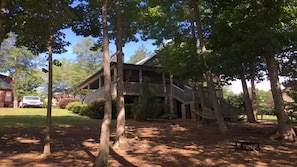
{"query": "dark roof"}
[(5, 82)]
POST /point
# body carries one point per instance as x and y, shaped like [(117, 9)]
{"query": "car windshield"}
[(32, 98)]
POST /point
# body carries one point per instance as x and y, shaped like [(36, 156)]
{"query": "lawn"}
[(154, 143), (36, 117)]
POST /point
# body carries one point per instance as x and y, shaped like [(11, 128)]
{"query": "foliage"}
[(21, 65), (65, 101), (29, 83), (180, 58), (70, 105), (148, 105), (291, 91), (264, 101), (79, 109), (141, 53), (49, 23), (168, 116), (63, 77), (94, 110), (172, 20), (88, 21), (88, 59), (129, 110)]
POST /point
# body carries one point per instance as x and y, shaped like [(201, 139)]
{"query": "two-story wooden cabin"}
[(183, 99)]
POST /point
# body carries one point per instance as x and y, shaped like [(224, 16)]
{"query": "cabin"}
[(6, 95), (183, 99)]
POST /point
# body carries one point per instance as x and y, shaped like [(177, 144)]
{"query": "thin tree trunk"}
[(14, 85), (48, 128), (102, 158), (247, 101), (202, 96), (215, 103), (199, 85), (120, 134), (254, 99), (220, 119), (14, 89), (285, 130), (3, 13)]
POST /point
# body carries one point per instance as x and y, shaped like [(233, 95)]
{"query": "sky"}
[(129, 48)]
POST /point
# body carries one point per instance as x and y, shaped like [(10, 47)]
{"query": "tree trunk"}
[(202, 96), (120, 134), (254, 99), (285, 130), (247, 101), (200, 84), (14, 85), (220, 119), (2, 12), (48, 127), (14, 90), (215, 103), (102, 158)]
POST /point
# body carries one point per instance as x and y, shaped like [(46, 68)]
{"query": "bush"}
[(95, 109), (148, 105), (83, 110), (168, 116), (63, 102), (70, 105), (76, 107), (128, 110)]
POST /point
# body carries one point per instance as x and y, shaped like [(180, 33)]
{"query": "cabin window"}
[(101, 81), (8, 96)]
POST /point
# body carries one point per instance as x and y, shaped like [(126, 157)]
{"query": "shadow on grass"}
[(72, 146), (120, 159), (38, 121)]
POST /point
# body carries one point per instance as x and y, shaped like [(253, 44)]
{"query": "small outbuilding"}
[(6, 95)]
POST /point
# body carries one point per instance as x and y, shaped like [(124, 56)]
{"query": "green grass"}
[(268, 118), (36, 118), (262, 117)]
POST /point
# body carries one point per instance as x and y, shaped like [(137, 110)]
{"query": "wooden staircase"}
[(186, 95)]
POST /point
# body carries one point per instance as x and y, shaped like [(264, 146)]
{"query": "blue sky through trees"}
[(128, 50)]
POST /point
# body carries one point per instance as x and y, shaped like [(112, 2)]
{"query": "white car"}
[(31, 101)]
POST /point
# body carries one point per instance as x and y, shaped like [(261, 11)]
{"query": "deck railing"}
[(99, 93), (134, 88)]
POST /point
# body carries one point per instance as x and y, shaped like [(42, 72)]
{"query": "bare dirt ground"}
[(182, 143)]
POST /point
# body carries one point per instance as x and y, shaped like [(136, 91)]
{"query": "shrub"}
[(168, 116), (76, 109), (83, 110), (63, 102), (70, 105), (128, 110), (95, 109), (148, 105)]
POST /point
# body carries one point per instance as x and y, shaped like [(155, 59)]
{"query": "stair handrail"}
[(184, 96)]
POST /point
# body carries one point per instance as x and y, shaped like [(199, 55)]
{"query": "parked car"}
[(31, 101)]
